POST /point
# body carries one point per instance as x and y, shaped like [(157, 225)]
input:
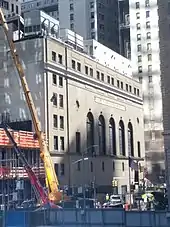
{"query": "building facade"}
[(99, 19), (11, 7), (84, 107), (145, 56)]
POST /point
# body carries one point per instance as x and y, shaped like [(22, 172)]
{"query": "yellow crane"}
[(54, 195)]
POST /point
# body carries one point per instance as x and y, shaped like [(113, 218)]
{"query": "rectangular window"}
[(137, 92), (140, 58), (137, 15), (130, 88), (98, 75), (72, 26), (92, 15), (60, 81), (150, 78), (149, 46), (138, 37), (139, 150), (55, 142), (61, 101), (127, 87), (61, 122), (140, 69), (102, 76), (148, 25), (91, 72), (53, 56), (92, 25), (118, 83), (55, 121), (108, 79), (60, 59), (56, 168), (79, 166), (17, 10), (139, 48), (134, 90), (91, 5), (149, 68), (78, 142), (71, 6), (62, 169), (61, 143), (12, 8), (147, 13), (137, 5), (71, 16), (54, 99), (147, 3), (78, 66), (138, 26), (54, 79), (121, 85), (103, 166), (149, 57), (73, 64), (86, 70), (112, 81)]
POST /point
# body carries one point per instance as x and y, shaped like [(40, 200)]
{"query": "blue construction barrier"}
[(89, 218)]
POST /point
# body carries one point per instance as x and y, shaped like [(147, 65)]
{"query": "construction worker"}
[(107, 197)]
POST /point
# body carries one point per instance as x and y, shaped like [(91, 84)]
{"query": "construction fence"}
[(88, 218)]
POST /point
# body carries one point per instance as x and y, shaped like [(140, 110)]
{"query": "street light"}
[(80, 160), (86, 151)]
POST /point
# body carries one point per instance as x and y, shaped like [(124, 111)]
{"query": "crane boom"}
[(45, 154), (38, 189)]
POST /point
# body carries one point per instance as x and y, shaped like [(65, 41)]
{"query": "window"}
[(127, 87), (90, 130), (148, 46), (61, 122), (72, 26), (12, 7), (137, 15), (93, 35), (148, 35), (137, 92), (147, 3), (60, 59), (55, 142), (91, 166), (91, 5), (130, 140), (102, 138), (108, 79), (62, 169), (138, 147), (138, 37), (123, 166), (112, 136), (150, 78), (148, 25), (71, 16), (79, 66), (91, 72), (53, 56), (134, 90), (121, 85), (118, 83), (61, 103), (149, 57), (140, 79), (112, 81), (130, 88), (140, 69), (78, 142), (71, 6), (86, 70), (113, 166), (140, 58), (61, 143), (73, 64), (103, 167), (137, 5), (56, 168), (98, 75), (121, 138), (139, 47), (54, 79), (54, 99), (149, 68), (92, 25), (55, 121), (138, 26), (16, 9), (60, 81), (147, 13), (92, 15)]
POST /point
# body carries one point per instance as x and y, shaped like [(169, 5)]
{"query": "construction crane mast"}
[(55, 195)]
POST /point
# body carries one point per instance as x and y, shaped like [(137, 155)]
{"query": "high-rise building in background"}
[(145, 56), (91, 19), (11, 7)]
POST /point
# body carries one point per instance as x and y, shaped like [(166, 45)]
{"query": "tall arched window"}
[(130, 140), (102, 138), (122, 138), (90, 130), (112, 136)]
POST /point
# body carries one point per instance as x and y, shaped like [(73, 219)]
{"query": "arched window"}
[(102, 139), (121, 138), (90, 130), (130, 140), (112, 136)]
